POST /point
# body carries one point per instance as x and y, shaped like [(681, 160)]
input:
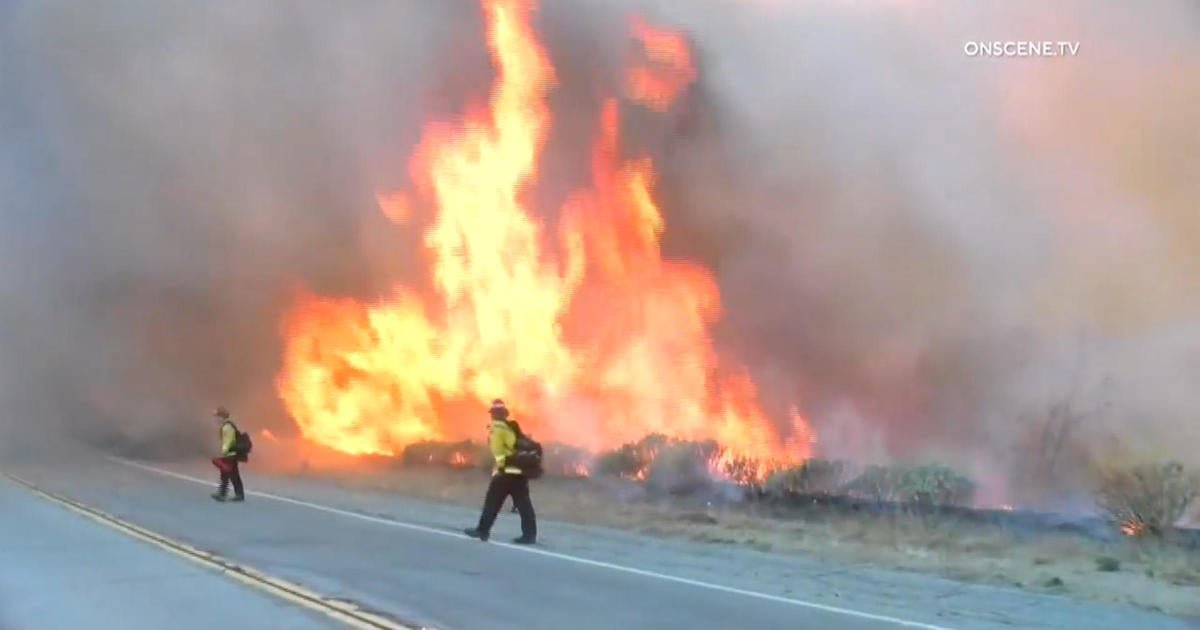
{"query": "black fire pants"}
[(234, 474), (506, 485)]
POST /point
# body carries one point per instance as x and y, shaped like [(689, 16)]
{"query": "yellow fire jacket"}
[(228, 439), (504, 444)]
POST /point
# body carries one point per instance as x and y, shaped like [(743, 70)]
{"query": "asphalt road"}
[(61, 570), (422, 571)]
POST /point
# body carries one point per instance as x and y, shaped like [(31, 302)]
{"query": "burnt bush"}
[(917, 485), (1146, 499)]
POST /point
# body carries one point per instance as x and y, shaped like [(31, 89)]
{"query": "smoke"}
[(936, 251), (930, 251), (172, 173)]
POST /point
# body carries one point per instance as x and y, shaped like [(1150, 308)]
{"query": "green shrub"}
[(937, 485), (878, 483), (919, 485), (815, 476)]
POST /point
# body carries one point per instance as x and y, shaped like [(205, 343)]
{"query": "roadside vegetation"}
[(915, 517)]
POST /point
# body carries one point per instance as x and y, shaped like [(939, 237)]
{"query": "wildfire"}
[(592, 325), (1133, 527), (266, 433), (667, 69), (394, 206), (728, 464), (579, 470)]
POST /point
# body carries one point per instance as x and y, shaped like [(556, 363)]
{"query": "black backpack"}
[(527, 456), (242, 444)]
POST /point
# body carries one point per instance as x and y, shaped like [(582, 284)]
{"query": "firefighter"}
[(507, 481), (227, 461)]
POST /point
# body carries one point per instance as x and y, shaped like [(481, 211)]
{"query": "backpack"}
[(242, 444), (527, 456)]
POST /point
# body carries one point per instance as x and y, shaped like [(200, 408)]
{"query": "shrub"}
[(920, 485), (937, 485), (1146, 499), (561, 460), (564, 460), (616, 463), (675, 461), (681, 467), (878, 483), (815, 476), (631, 460), (464, 454), (747, 472)]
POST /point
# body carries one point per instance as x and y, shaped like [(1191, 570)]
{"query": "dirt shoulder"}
[(1148, 575)]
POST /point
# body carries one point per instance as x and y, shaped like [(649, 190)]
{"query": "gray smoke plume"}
[(172, 172), (958, 257), (940, 256)]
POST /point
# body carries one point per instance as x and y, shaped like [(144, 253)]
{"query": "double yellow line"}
[(344, 612)]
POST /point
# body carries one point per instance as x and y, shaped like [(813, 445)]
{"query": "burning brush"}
[(1147, 499), (460, 455), (510, 307), (1133, 527)]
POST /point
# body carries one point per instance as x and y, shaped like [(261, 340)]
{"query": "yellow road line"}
[(344, 612)]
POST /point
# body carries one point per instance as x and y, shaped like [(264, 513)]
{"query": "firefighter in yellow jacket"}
[(227, 461), (506, 481)]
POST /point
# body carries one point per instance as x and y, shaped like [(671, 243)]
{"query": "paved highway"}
[(61, 570), (406, 560)]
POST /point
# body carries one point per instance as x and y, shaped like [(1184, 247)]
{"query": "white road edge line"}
[(551, 554)]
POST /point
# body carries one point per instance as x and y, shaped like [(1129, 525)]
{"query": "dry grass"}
[(1150, 574)]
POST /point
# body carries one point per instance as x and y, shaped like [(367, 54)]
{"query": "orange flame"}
[(608, 333), (1133, 527), (668, 67), (395, 206), (579, 470), (266, 433)]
